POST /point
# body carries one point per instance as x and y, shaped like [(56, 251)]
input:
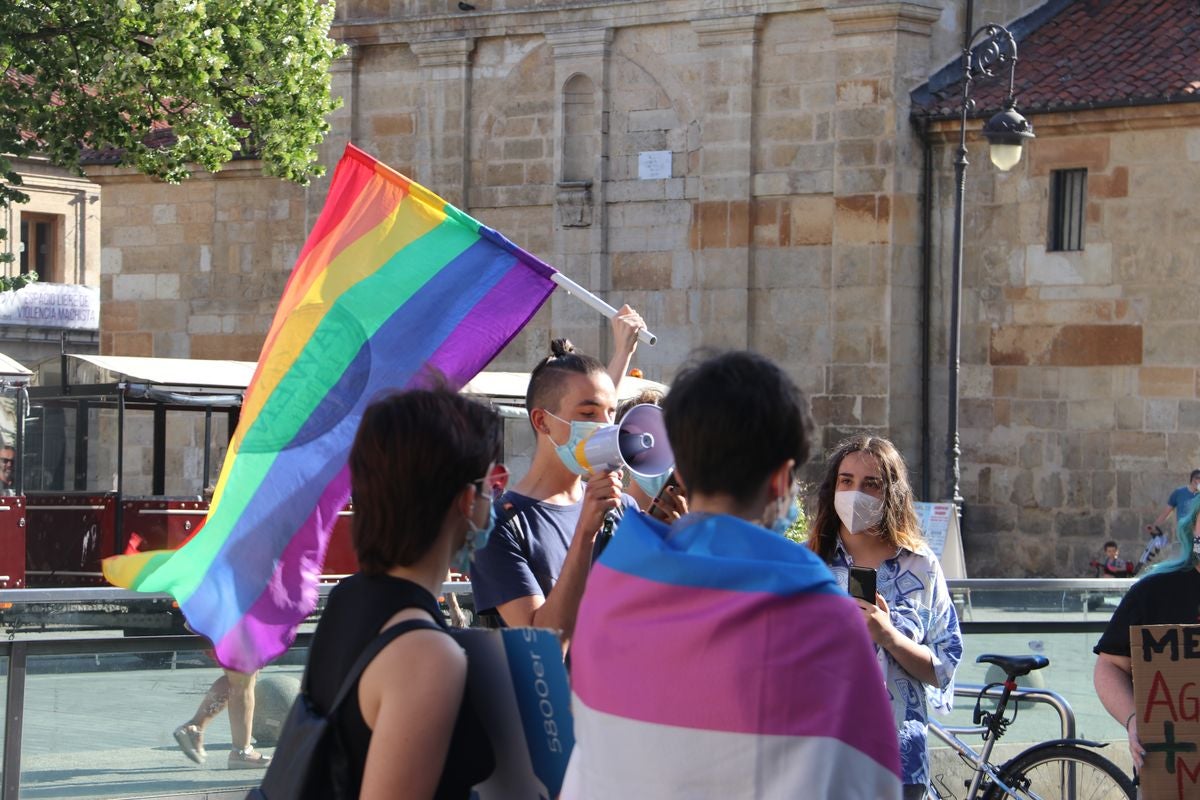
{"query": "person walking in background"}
[(1180, 502), (865, 518), (714, 658), (235, 691)]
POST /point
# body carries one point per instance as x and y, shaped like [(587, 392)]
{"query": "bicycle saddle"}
[(1014, 666)]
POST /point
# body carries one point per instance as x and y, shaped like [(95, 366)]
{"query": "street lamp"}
[(1006, 132)]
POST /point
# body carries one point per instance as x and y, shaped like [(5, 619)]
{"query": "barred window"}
[(1068, 207)]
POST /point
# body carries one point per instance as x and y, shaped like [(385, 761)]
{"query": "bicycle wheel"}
[(1063, 772)]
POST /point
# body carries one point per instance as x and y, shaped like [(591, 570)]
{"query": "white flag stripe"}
[(667, 762)]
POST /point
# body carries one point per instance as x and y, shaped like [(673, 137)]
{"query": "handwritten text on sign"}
[(1166, 689)]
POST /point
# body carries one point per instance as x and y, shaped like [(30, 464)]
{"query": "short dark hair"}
[(1111, 543), (1194, 475), (546, 387), (413, 453), (733, 418)]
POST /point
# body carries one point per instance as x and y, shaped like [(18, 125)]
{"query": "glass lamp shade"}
[(1005, 156), (1006, 133)]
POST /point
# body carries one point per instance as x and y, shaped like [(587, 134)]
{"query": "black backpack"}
[(309, 763)]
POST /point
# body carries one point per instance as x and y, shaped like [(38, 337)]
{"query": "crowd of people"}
[(785, 637), (429, 497)]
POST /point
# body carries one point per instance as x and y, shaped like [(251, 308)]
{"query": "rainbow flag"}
[(724, 661), (393, 284)]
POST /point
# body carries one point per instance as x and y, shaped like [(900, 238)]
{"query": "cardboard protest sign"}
[(1166, 692), (519, 687)]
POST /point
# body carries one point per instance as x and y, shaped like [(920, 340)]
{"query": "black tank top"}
[(357, 609)]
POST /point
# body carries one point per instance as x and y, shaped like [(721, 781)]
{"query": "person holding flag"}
[(715, 658)]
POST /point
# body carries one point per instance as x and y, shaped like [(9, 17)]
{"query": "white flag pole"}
[(590, 299)]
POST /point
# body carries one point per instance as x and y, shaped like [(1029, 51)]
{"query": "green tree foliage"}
[(222, 76)]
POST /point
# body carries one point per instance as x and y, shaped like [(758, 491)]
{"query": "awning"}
[(512, 386), (509, 386), (176, 371), (11, 369)]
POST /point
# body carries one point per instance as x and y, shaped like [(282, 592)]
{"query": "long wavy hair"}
[(899, 524)]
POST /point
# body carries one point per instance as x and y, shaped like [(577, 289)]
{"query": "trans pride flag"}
[(719, 660), (392, 285)]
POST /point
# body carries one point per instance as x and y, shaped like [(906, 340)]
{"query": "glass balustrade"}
[(107, 678)]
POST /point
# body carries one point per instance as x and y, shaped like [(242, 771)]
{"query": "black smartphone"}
[(656, 508), (862, 583)]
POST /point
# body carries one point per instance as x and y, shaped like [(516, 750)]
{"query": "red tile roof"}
[(1084, 54)]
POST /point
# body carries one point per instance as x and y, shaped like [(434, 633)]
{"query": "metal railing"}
[(1055, 700)]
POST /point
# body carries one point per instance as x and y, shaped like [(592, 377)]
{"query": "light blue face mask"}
[(788, 518), (570, 451), (477, 539), (652, 485)]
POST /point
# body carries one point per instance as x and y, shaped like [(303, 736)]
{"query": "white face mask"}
[(858, 512)]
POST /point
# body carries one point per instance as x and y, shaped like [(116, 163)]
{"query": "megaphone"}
[(637, 443)]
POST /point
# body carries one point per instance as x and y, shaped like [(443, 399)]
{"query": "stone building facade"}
[(57, 235), (1080, 409), (746, 174)]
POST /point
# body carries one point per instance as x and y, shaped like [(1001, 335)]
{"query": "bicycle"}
[(1060, 768)]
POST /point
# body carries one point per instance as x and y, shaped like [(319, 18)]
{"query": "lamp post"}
[(1006, 132)]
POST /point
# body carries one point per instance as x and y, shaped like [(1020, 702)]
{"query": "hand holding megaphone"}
[(638, 443)]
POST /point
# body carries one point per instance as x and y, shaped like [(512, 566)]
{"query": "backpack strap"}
[(370, 651)]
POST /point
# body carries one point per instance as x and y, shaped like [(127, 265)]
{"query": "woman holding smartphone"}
[(865, 521)]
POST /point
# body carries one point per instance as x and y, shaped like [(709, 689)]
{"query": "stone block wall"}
[(196, 270)]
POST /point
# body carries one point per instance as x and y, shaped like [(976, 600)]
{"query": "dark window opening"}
[(39, 245), (1068, 208)]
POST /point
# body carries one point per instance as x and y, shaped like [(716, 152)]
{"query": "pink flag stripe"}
[(725, 660)]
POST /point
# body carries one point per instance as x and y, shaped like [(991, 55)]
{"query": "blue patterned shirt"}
[(920, 608)]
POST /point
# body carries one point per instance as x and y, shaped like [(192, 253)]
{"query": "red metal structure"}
[(101, 464)]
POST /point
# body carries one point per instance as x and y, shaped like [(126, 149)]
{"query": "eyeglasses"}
[(496, 480)]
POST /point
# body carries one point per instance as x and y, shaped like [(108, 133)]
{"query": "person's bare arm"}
[(558, 611), (1113, 678), (625, 327), (420, 676), (1166, 512)]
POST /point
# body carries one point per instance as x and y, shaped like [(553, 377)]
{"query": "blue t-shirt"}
[(525, 553), (1181, 500)]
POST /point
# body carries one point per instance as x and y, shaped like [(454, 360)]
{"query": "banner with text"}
[(519, 687), (1166, 671), (52, 305)]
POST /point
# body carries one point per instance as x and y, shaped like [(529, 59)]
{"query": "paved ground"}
[(107, 734)]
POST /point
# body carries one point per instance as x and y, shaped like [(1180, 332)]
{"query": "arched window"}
[(579, 130)]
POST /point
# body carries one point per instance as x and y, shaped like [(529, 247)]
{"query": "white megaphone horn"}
[(637, 443)]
